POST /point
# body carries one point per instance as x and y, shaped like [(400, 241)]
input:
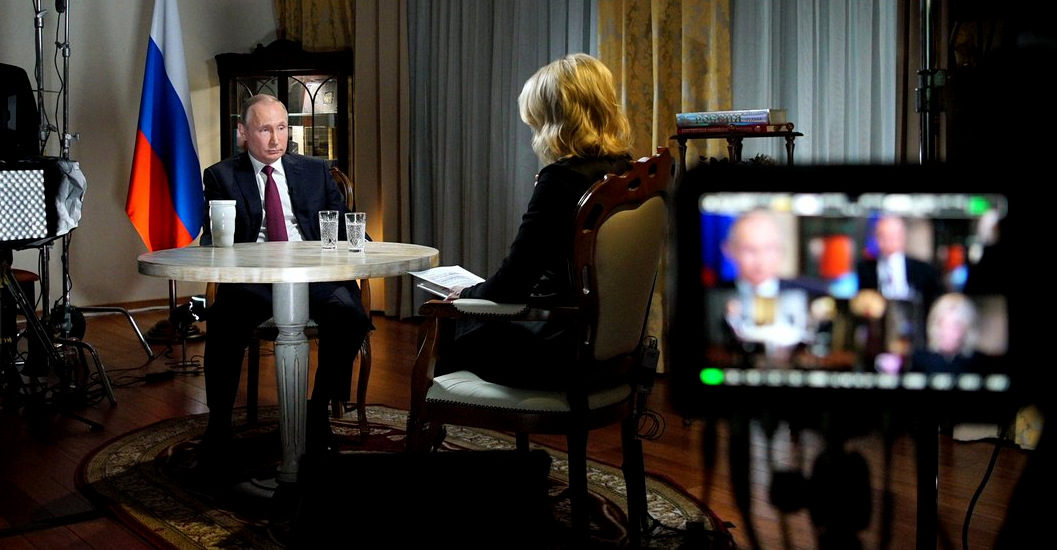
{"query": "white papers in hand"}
[(440, 280)]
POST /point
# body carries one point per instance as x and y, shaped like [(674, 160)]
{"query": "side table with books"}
[(734, 135)]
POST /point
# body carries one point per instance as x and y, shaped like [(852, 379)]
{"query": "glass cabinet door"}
[(315, 87), (313, 107), (312, 103)]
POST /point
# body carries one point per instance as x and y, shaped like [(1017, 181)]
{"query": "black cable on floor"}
[(980, 489)]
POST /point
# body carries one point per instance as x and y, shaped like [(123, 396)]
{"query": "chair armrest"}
[(439, 315), (476, 306), (492, 311)]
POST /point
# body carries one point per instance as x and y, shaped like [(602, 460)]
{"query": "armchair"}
[(620, 233), (268, 331)]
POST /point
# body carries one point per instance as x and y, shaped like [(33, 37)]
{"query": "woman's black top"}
[(537, 265)]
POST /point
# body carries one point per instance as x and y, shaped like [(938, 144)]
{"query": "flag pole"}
[(165, 198)]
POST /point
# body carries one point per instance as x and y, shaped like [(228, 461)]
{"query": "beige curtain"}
[(319, 25), (668, 56), (376, 31)]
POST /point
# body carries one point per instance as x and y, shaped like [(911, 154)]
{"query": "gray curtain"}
[(472, 166), (831, 64)]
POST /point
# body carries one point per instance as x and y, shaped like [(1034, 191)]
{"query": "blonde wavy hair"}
[(956, 307), (571, 106)]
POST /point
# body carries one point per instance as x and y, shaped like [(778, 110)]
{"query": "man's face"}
[(266, 131), (891, 236), (756, 249)]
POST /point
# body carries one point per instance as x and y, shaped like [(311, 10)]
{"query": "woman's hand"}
[(454, 294)]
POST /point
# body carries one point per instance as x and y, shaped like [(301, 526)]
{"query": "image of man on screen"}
[(893, 273), (909, 285), (763, 309)]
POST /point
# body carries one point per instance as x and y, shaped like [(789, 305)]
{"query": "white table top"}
[(286, 262)]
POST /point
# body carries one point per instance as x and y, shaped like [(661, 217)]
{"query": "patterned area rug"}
[(139, 477)]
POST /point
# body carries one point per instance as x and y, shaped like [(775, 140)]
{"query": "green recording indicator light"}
[(978, 205), (711, 376)]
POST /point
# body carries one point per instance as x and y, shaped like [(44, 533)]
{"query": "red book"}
[(735, 128)]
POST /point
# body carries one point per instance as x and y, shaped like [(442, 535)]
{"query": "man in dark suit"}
[(893, 273), (910, 283), (303, 186), (762, 309)]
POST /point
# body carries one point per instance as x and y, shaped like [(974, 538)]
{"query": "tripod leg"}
[(131, 321), (99, 369)]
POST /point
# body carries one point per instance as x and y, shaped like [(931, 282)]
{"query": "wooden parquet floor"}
[(40, 506)]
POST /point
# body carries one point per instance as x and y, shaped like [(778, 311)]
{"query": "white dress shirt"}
[(892, 277)]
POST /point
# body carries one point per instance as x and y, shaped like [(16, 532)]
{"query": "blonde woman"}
[(952, 334), (581, 133)]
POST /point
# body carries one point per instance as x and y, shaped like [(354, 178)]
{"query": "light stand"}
[(930, 82), (59, 331), (926, 431), (38, 73), (60, 6)]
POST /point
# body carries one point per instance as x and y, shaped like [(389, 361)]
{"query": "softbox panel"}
[(40, 199)]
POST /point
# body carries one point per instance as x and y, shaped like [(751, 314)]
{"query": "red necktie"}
[(273, 209)]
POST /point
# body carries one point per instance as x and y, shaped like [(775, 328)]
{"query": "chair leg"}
[(361, 389), (578, 497), (521, 441), (253, 371), (635, 482)]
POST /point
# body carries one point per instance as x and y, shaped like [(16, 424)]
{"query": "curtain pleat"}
[(832, 65), (472, 165), (319, 25), (668, 56)]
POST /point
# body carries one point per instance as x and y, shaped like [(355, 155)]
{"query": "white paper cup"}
[(222, 222)]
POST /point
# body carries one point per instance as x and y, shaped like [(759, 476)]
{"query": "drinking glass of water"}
[(356, 229), (328, 229)]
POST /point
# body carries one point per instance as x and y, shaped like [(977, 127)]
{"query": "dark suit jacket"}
[(921, 277), (311, 190)]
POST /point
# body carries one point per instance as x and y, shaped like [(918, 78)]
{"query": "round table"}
[(289, 266)]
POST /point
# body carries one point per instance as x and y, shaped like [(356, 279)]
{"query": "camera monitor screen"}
[(855, 285)]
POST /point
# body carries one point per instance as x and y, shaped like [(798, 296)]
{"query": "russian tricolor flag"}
[(165, 190)]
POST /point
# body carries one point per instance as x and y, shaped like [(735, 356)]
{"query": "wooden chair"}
[(621, 229), (267, 331)]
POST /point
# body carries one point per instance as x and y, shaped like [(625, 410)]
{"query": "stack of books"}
[(747, 121)]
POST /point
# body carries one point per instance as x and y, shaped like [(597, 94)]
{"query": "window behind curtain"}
[(472, 165), (831, 64)]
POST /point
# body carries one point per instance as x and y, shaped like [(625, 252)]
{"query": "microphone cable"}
[(983, 483), (650, 425)]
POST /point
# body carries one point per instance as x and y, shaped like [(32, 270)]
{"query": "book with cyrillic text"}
[(726, 118), (441, 280)]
